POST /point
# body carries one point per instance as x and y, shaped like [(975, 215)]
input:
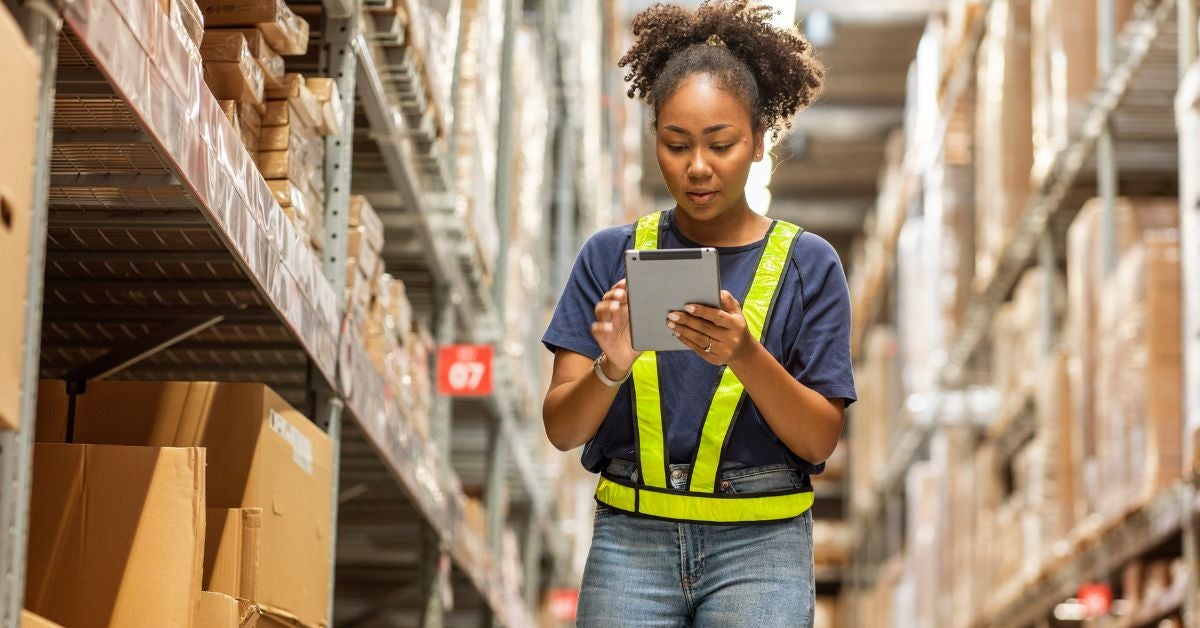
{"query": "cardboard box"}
[(284, 30), (215, 610), (18, 122), (304, 103), (1004, 119), (29, 620), (368, 258), (363, 216), (262, 452), (186, 14), (333, 116), (115, 534), (229, 70), (270, 61), (232, 550)]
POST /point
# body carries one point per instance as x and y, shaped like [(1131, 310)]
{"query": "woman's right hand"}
[(611, 329)]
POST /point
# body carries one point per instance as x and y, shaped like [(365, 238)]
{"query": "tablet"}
[(664, 281)]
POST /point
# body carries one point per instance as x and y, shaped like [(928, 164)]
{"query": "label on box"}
[(302, 449)]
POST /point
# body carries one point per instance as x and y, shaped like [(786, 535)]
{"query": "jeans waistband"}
[(736, 478)]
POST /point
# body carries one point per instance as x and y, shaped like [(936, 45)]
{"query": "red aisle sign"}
[(465, 370), (563, 603), (1096, 599)]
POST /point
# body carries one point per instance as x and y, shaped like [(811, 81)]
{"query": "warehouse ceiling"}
[(827, 170)]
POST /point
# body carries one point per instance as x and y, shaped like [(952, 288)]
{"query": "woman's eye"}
[(676, 148), (722, 148)]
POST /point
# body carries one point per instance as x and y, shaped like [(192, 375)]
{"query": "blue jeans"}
[(645, 572)]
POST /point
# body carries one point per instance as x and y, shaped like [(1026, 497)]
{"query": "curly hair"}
[(775, 71)]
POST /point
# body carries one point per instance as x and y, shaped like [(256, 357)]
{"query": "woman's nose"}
[(697, 167)]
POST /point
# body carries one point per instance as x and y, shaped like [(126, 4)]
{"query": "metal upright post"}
[(441, 421), (495, 501), (1106, 162), (505, 145), (41, 22), (433, 614), (338, 62)]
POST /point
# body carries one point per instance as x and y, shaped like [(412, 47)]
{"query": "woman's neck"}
[(737, 227)]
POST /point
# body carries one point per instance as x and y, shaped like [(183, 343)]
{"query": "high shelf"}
[(1125, 139), (168, 258)]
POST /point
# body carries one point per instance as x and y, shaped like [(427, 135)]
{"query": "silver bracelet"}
[(611, 383)]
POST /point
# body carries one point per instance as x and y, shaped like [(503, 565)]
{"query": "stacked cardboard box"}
[(1004, 154), (1082, 336), (1018, 337), (364, 262), (281, 28), (292, 153), (116, 534), (230, 71), (875, 417), (1139, 386), (18, 116), (263, 456), (1064, 72), (1150, 587), (185, 18)]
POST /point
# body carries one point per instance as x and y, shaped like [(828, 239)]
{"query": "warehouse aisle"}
[(279, 272)]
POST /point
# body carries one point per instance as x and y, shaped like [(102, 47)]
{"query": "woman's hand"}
[(726, 327), (611, 330)]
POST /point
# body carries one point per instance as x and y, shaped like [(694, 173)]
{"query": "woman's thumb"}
[(728, 303)]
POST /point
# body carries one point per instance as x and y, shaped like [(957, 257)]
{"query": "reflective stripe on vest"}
[(700, 503)]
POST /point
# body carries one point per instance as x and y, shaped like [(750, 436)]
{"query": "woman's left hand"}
[(725, 327)]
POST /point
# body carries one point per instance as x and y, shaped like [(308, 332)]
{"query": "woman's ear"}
[(760, 144)]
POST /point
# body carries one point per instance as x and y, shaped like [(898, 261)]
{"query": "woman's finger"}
[(698, 324)]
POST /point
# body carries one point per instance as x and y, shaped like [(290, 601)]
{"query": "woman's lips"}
[(700, 198)]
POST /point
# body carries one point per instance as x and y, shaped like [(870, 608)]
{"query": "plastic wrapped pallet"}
[(186, 14), (1085, 282), (1003, 129)]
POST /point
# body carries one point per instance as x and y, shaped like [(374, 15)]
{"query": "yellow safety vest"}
[(700, 503)]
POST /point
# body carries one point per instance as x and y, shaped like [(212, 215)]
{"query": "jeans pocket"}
[(764, 482)]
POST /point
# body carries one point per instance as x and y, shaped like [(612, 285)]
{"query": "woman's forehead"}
[(699, 104)]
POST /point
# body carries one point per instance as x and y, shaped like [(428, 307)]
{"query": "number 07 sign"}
[(465, 370)]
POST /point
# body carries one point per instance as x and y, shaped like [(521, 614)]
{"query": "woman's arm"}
[(578, 401), (808, 423)]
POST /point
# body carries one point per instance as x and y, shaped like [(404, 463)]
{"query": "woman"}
[(703, 502)]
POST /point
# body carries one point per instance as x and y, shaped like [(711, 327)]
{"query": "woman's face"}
[(705, 145)]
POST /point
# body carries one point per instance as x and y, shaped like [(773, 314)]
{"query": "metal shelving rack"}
[(1129, 127), (167, 258)]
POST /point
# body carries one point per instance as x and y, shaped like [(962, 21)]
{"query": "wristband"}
[(611, 383)]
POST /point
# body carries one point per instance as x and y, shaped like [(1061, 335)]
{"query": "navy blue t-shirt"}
[(809, 333)]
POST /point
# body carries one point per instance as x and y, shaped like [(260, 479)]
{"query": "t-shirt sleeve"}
[(596, 269), (821, 350)]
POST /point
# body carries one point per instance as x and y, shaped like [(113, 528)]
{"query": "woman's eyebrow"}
[(707, 130)]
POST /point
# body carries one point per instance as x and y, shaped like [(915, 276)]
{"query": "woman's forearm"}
[(575, 407), (805, 421)]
